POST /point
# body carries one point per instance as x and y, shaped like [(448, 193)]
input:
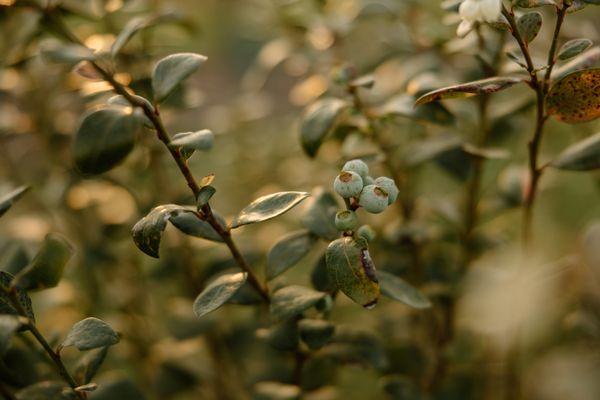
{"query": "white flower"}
[(472, 11)]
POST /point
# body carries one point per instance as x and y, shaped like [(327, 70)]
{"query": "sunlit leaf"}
[(172, 70), (267, 207), (190, 141), (483, 86), (576, 97), (582, 156), (91, 333), (218, 292)]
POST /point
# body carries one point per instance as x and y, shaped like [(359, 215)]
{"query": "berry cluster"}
[(360, 190)]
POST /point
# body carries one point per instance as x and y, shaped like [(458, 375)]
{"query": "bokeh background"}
[(268, 60)]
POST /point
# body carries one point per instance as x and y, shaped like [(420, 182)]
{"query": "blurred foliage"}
[(288, 91)]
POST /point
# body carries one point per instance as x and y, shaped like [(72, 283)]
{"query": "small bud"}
[(348, 184), (346, 220), (389, 186), (369, 181), (357, 166), (374, 199), (366, 232)]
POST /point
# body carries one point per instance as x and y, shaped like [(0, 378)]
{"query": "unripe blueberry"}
[(348, 184), (368, 181), (389, 186), (346, 220), (357, 166), (374, 199), (366, 232)]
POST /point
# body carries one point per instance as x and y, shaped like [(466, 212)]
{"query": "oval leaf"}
[(582, 156), (46, 269), (91, 333), (104, 139), (147, 232), (172, 70), (404, 106), (396, 288), (483, 86), (529, 25), (349, 265), (288, 252), (316, 333), (190, 141), (291, 301), (190, 224), (318, 119), (218, 292), (267, 207), (9, 199), (576, 97), (573, 48)]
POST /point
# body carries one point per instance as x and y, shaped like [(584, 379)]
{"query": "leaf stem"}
[(12, 294), (541, 89), (152, 113)]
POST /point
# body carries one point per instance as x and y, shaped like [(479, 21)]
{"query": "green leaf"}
[(147, 232), (204, 196), (46, 269), (136, 25), (89, 364), (91, 333), (267, 207), (349, 265), (319, 277), (288, 252), (529, 25), (582, 156), (218, 292), (396, 288), (576, 97), (291, 301), (9, 199), (6, 306), (573, 48), (590, 58), (404, 106), (47, 390), (191, 141), (283, 336), (484, 86), (190, 224), (172, 70), (356, 346), (316, 333), (319, 216), (9, 325), (104, 139), (14, 258), (118, 389), (318, 119), (69, 54)]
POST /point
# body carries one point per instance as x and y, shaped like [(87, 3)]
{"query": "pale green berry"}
[(369, 181), (346, 220), (373, 199), (366, 232), (389, 186), (357, 166), (348, 184)]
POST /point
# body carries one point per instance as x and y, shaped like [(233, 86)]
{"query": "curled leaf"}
[(484, 86)]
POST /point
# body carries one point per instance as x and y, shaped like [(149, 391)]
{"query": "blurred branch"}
[(153, 114), (12, 295)]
